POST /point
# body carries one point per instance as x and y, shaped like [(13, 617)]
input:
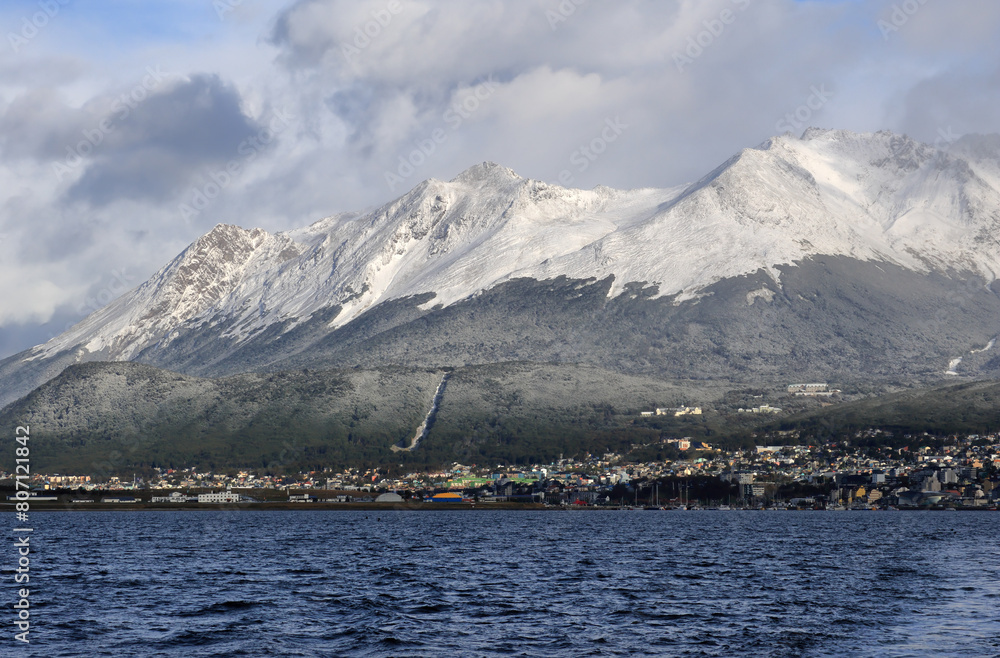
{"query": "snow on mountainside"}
[(195, 282), (880, 197)]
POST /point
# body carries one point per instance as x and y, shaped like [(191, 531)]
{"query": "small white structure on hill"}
[(675, 411), (686, 411), (812, 390), (762, 409)]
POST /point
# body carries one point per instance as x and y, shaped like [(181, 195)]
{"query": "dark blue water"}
[(484, 583)]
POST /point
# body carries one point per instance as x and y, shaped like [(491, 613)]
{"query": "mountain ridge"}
[(420, 222), (872, 197)]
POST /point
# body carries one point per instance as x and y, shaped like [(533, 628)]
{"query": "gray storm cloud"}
[(155, 145)]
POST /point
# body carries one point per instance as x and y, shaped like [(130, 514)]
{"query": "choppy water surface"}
[(483, 583)]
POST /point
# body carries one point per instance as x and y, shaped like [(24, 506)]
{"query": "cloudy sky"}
[(130, 127)]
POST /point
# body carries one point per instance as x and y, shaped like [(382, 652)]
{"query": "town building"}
[(174, 497), (227, 496)]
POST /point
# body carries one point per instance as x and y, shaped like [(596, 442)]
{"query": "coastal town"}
[(954, 472)]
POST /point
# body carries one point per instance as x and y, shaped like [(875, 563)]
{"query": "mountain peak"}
[(812, 132), (227, 242), (487, 172)]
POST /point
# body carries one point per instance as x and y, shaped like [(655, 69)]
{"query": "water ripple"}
[(442, 583)]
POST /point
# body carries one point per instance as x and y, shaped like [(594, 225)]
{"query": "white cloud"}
[(30, 295)]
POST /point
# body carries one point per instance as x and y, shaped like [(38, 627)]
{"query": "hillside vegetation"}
[(115, 417)]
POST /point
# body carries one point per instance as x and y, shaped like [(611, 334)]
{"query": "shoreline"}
[(277, 506), (419, 507)]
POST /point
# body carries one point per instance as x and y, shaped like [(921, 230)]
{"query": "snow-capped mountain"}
[(451, 238), (881, 199)]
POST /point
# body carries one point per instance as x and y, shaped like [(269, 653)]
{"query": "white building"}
[(174, 497), (812, 388), (675, 411), (684, 411), (762, 409), (227, 496)]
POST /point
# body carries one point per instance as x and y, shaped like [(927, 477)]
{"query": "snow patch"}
[(428, 422), (989, 345), (766, 293)]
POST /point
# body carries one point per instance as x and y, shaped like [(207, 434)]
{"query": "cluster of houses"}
[(762, 409), (815, 390), (673, 411), (227, 496), (230, 496)]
